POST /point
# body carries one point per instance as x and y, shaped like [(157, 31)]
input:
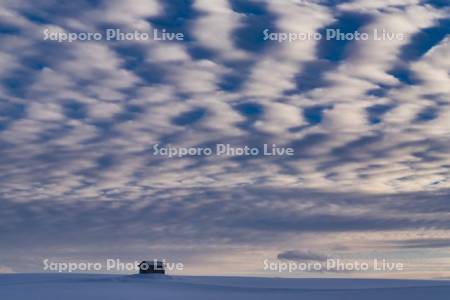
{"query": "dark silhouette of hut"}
[(152, 267)]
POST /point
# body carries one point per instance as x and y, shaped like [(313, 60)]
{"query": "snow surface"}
[(90, 286)]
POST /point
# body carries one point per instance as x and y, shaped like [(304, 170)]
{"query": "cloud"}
[(214, 28), (301, 255), (423, 243), (369, 127), (4, 269)]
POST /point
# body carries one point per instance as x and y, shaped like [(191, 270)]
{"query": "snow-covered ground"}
[(87, 286)]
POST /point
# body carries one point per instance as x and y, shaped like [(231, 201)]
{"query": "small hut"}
[(152, 267)]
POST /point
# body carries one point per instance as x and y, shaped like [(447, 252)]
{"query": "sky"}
[(368, 121)]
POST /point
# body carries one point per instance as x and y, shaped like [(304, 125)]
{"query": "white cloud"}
[(214, 27)]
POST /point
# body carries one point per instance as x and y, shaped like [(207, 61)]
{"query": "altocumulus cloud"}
[(78, 121)]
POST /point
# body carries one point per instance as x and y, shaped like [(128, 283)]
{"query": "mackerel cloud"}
[(368, 121)]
